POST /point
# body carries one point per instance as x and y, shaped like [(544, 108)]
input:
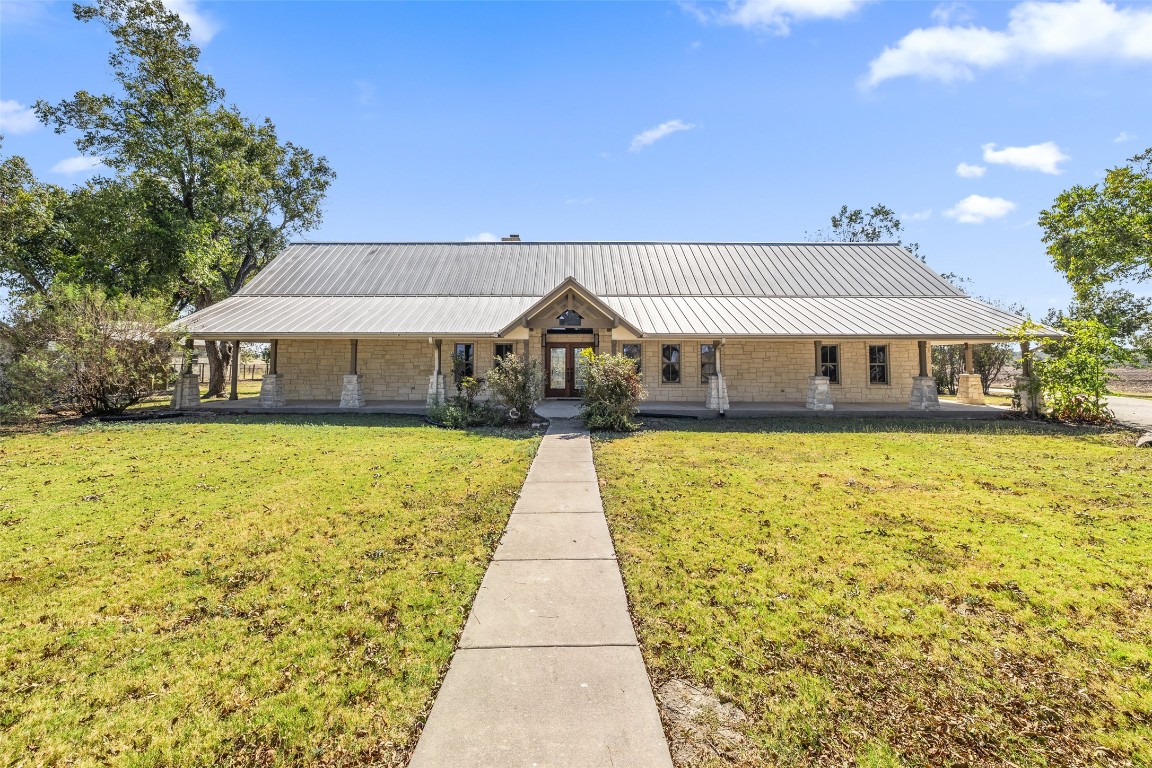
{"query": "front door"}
[(564, 368)]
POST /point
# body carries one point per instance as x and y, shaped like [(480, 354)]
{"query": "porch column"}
[(436, 380), (969, 387), (717, 389), (272, 385), (924, 396), (232, 394), (186, 390), (1027, 387), (352, 395), (819, 391)]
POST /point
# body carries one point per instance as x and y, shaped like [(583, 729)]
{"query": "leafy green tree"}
[(879, 223), (35, 243), (216, 196), (1073, 371), (1102, 233), (1128, 315)]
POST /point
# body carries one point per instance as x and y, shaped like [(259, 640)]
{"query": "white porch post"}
[(436, 380), (717, 389)]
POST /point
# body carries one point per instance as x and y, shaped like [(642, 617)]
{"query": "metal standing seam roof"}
[(690, 289)]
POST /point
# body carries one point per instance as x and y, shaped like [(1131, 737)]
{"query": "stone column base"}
[(970, 390), (436, 392), (924, 397), (717, 393), (819, 394), (352, 396), (272, 391), (1029, 402), (186, 392)]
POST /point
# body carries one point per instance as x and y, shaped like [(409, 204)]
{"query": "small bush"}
[(612, 389), (1073, 376), (517, 384)]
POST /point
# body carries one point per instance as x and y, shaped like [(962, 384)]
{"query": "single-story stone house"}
[(707, 323)]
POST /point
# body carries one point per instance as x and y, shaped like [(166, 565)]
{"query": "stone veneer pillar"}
[(352, 396), (186, 392), (924, 397), (819, 394), (970, 389), (1028, 393), (272, 391), (717, 393)]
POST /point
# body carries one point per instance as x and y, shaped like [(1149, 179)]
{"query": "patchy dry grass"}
[(888, 593), (238, 591)]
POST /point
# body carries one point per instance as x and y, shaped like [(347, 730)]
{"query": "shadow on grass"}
[(351, 420), (865, 424)]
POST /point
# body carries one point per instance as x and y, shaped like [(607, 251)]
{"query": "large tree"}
[(35, 243), (220, 195), (1102, 234), (878, 223)]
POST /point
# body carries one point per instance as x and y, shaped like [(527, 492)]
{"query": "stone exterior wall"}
[(778, 371), (754, 370), (392, 369)]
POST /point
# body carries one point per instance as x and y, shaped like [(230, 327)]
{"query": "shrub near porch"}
[(239, 591), (894, 593)]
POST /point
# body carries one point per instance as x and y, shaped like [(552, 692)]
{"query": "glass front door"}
[(565, 368)]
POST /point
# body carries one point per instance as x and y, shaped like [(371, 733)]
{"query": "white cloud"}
[(483, 237), (777, 16), (1045, 157), (951, 13), (1122, 137), (976, 209), (917, 215), (79, 164), (16, 118), (970, 170), (653, 135), (203, 27), (1037, 32)]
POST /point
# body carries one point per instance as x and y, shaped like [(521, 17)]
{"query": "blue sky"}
[(659, 121)]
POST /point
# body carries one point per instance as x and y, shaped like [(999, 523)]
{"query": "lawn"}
[(888, 593), (238, 591)]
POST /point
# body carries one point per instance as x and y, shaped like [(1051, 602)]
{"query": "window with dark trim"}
[(464, 361), (830, 362), (707, 362), (569, 318), (633, 353), (877, 363), (670, 363), (502, 351)]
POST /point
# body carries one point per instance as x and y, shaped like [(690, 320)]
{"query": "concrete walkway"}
[(1133, 411), (548, 671)]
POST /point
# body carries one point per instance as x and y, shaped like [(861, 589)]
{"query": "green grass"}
[(896, 592), (238, 591)]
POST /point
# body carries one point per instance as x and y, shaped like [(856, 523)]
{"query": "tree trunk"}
[(219, 353)]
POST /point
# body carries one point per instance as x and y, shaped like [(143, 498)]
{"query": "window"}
[(877, 364), (670, 364), (463, 361), (707, 362), (632, 352), (569, 319), (830, 362), (502, 351)]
